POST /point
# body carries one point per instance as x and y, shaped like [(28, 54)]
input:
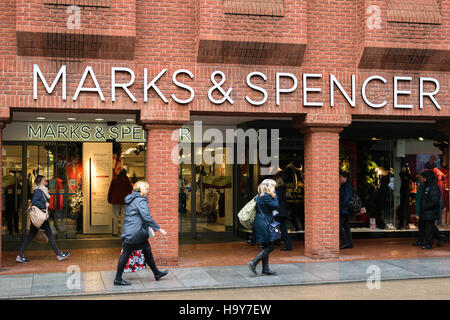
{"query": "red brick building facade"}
[(313, 40)]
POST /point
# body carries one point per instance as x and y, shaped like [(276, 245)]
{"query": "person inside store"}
[(428, 208), (282, 215), (40, 199), (266, 203), (11, 202), (345, 193), (421, 223), (404, 210), (119, 188), (135, 234)]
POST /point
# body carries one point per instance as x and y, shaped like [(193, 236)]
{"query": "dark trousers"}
[(345, 235), (404, 214), (12, 221), (128, 249), (284, 232), (428, 229), (48, 232)]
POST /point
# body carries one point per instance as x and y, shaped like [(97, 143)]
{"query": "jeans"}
[(48, 232), (118, 211), (345, 235), (128, 249), (284, 233)]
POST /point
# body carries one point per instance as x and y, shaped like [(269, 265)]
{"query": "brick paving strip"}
[(43, 285)]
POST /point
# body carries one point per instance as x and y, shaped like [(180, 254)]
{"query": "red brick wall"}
[(167, 32)]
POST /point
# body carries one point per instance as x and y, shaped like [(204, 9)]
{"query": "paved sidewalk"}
[(221, 277)]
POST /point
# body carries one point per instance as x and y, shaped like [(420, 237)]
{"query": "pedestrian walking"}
[(282, 215), (266, 203), (135, 234), (428, 208), (40, 199), (345, 193), (119, 188)]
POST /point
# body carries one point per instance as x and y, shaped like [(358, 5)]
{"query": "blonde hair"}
[(141, 186), (267, 186)]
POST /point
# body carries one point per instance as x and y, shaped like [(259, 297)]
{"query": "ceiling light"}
[(40, 118), (99, 119), (420, 138), (71, 119), (129, 120)]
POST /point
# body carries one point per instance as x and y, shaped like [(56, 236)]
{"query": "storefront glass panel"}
[(12, 211)]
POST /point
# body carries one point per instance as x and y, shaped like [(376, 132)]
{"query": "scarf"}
[(44, 189)]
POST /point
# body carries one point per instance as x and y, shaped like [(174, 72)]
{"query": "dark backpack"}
[(354, 205)]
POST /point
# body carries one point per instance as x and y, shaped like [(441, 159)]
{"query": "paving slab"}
[(101, 282), (430, 267), (195, 277), (229, 276)]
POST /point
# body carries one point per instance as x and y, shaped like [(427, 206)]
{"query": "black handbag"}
[(275, 231)]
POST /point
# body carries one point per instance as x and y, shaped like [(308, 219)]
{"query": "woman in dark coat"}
[(282, 215), (135, 232), (430, 204), (266, 203), (40, 200)]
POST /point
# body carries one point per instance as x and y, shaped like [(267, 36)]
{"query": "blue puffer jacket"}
[(264, 207), (137, 219)]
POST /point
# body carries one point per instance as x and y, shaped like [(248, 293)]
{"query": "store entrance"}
[(78, 175)]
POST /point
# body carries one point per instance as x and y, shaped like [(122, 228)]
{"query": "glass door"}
[(205, 192), (61, 164), (12, 188)]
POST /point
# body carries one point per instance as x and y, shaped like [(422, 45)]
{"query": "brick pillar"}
[(322, 183), (162, 175)]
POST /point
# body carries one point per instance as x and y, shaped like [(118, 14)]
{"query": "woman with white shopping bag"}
[(40, 204), (266, 204), (138, 226)]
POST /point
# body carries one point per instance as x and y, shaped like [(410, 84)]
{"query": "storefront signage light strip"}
[(82, 132), (225, 92)]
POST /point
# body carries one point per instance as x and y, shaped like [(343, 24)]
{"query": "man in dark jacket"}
[(430, 202), (345, 193), (120, 187)]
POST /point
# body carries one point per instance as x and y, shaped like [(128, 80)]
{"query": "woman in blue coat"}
[(135, 232), (266, 203)]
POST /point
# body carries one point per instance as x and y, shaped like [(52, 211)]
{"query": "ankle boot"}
[(265, 269), (252, 264)]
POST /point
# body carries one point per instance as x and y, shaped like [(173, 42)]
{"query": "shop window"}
[(255, 7), (413, 11)]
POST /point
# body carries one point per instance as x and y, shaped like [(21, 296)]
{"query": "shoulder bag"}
[(37, 216)]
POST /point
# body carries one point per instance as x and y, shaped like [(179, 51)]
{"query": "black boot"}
[(265, 269), (252, 264), (161, 274)]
